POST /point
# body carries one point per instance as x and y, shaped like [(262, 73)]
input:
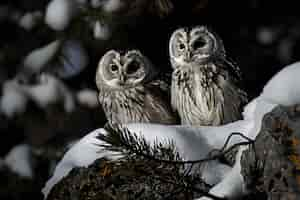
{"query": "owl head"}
[(197, 44), (117, 70)]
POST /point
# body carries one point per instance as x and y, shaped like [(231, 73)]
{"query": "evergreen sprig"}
[(120, 139)]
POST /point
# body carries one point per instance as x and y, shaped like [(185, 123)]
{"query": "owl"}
[(205, 83), (131, 91)]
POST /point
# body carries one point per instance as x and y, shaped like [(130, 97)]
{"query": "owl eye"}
[(113, 68), (181, 46), (199, 43), (133, 67)]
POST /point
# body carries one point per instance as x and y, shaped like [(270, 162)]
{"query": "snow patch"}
[(77, 157), (30, 20), (88, 98), (196, 142), (73, 59), (59, 13), (38, 58), (284, 87), (18, 160), (14, 100), (51, 91), (101, 31)]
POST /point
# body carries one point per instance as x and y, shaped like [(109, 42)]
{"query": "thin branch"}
[(141, 146)]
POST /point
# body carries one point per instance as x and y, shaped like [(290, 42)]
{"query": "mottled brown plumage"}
[(205, 84), (130, 89)]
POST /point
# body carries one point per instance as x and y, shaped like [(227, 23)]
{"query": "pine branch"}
[(122, 140)]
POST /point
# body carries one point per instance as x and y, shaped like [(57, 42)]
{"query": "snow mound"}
[(76, 157), (284, 87), (195, 142)]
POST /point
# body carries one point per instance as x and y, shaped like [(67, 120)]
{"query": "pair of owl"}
[(205, 86)]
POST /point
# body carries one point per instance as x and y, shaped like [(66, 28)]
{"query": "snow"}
[(59, 13), (13, 101), (266, 35), (88, 97), (196, 142), (112, 5), (38, 58), (192, 143), (76, 157), (49, 90), (30, 20), (101, 31), (73, 59), (283, 88), (18, 160)]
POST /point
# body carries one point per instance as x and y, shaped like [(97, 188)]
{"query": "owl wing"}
[(157, 101), (234, 74), (227, 64), (234, 88), (163, 82)]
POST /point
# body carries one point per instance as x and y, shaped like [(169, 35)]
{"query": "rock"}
[(129, 179), (271, 166)]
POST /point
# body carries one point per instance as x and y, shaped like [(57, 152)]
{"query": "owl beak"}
[(122, 80), (187, 56)]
